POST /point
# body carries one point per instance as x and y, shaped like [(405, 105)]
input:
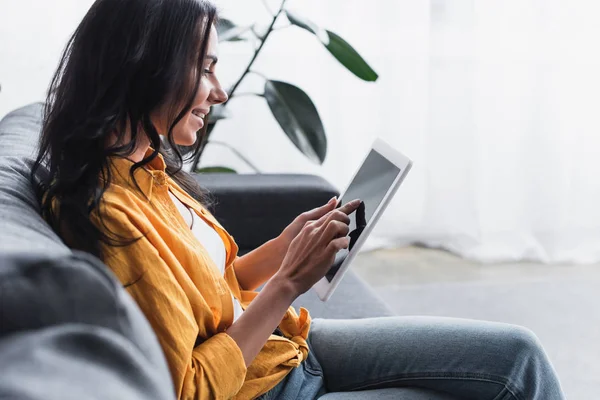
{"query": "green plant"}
[(291, 106)]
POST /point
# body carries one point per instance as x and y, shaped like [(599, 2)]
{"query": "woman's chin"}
[(187, 139)]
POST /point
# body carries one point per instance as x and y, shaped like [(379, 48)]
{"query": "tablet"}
[(375, 183)]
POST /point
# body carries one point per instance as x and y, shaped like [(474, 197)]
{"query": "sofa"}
[(68, 330)]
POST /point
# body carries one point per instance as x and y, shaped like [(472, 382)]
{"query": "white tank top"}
[(211, 241)]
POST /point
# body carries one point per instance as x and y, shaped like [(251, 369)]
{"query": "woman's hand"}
[(312, 252), (293, 229), (258, 266)]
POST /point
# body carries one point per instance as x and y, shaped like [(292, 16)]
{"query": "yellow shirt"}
[(183, 295)]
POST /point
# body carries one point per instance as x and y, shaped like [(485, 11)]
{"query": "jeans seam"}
[(313, 371), (436, 375), (504, 393)]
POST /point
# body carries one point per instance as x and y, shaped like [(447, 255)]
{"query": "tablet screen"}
[(370, 185)]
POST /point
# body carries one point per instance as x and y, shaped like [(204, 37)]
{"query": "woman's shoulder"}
[(121, 204)]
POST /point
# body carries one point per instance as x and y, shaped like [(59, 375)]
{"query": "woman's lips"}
[(199, 119), (199, 113)]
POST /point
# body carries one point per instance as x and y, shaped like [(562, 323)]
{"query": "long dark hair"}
[(126, 59)]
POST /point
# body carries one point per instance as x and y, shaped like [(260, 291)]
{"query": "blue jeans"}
[(420, 358)]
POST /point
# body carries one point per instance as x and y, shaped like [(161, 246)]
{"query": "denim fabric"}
[(421, 358), (304, 382)]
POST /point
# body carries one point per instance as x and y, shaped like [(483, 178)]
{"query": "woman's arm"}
[(258, 266), (252, 329), (309, 257)]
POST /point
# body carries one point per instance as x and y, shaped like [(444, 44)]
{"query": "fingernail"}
[(356, 202), (332, 199)]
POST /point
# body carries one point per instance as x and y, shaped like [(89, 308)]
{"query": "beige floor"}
[(561, 303)]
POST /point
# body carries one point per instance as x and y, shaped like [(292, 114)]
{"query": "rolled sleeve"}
[(220, 368)]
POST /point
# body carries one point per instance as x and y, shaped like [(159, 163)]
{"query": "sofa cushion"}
[(67, 327), (353, 298), (22, 229), (265, 202)]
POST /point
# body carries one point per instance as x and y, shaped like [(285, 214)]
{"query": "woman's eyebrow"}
[(212, 57)]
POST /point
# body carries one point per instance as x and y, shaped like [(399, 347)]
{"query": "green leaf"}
[(218, 169), (346, 55), (337, 46), (305, 23), (218, 112), (298, 117), (230, 32)]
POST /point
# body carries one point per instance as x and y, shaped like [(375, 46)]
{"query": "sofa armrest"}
[(255, 208)]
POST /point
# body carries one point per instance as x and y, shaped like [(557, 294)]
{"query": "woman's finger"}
[(340, 214), (333, 230), (350, 207), (337, 244), (334, 215), (318, 212)]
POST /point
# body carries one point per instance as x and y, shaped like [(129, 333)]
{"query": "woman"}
[(136, 81)]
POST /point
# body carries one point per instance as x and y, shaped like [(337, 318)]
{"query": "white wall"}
[(32, 36)]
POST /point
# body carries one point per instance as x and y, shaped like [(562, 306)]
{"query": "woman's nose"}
[(218, 95)]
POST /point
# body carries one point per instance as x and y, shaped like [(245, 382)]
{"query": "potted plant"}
[(291, 106)]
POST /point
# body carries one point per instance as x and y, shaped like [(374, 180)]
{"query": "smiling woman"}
[(117, 97), (137, 80)]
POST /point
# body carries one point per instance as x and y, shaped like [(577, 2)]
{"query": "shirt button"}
[(160, 178)]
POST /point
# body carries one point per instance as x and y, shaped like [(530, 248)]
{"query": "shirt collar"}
[(152, 173)]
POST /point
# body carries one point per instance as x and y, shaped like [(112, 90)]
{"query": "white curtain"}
[(497, 103)]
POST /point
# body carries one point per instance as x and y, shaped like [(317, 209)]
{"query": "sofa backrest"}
[(60, 309), (22, 229)]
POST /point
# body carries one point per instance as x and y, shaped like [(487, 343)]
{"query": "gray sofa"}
[(67, 328)]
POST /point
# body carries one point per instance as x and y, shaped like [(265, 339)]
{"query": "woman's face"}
[(209, 93)]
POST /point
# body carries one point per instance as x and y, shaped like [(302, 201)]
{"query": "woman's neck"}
[(143, 143), (140, 151)]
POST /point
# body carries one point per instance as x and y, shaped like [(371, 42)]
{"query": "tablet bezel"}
[(323, 287)]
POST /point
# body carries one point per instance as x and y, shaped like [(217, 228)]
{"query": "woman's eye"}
[(208, 71)]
